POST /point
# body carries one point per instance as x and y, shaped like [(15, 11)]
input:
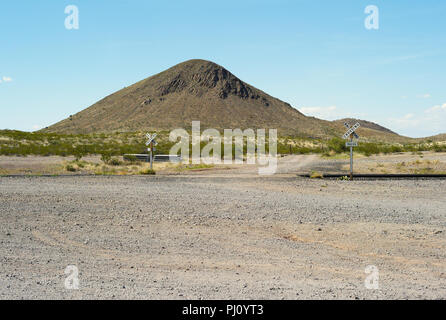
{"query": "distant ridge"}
[(366, 124)]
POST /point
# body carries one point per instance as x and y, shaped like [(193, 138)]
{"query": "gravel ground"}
[(38, 164), (221, 235), (388, 162)]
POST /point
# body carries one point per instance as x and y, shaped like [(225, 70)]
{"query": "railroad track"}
[(367, 176)]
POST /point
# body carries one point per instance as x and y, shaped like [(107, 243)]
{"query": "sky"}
[(317, 55)]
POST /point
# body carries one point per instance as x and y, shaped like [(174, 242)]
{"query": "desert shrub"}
[(304, 150), (369, 148), (131, 158), (439, 148), (114, 162), (396, 148), (78, 156), (147, 171), (105, 157), (80, 163), (337, 145), (70, 167), (199, 166), (105, 170), (316, 175)]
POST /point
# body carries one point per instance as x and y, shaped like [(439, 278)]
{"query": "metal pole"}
[(351, 157), (151, 155)]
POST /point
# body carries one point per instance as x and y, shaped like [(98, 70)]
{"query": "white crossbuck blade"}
[(351, 130), (150, 137), (347, 125)]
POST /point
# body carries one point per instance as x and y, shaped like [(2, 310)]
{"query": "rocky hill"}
[(196, 90)]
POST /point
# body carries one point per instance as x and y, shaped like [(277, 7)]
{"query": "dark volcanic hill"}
[(192, 90), (202, 90)]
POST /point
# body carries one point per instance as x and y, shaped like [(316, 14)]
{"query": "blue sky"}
[(316, 55)]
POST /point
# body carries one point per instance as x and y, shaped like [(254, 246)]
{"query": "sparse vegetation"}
[(147, 171), (70, 167), (115, 162), (131, 159), (110, 145), (417, 166), (105, 157), (201, 166), (316, 175)]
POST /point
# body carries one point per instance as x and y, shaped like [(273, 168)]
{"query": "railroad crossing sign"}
[(350, 134), (347, 125), (150, 138), (351, 130), (151, 142)]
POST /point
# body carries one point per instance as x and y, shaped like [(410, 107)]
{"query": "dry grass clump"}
[(192, 167), (427, 166), (70, 168), (316, 175), (115, 166), (147, 171)]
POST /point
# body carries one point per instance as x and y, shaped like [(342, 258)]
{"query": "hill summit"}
[(192, 90)]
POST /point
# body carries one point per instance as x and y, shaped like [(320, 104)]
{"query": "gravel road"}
[(221, 236)]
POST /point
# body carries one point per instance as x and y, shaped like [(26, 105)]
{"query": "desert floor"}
[(223, 233)]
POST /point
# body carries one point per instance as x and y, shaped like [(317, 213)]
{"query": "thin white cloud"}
[(408, 120), (5, 79), (36, 127), (327, 113), (430, 122), (424, 96), (436, 108)]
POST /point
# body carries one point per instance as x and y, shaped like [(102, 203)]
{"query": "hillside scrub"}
[(19, 143)]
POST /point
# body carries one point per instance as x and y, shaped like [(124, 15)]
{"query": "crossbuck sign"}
[(350, 134), (150, 138), (351, 130), (151, 142)]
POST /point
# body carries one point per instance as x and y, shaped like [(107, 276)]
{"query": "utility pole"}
[(151, 155), (351, 157)]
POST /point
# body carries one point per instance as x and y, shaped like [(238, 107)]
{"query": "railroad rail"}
[(366, 176)]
